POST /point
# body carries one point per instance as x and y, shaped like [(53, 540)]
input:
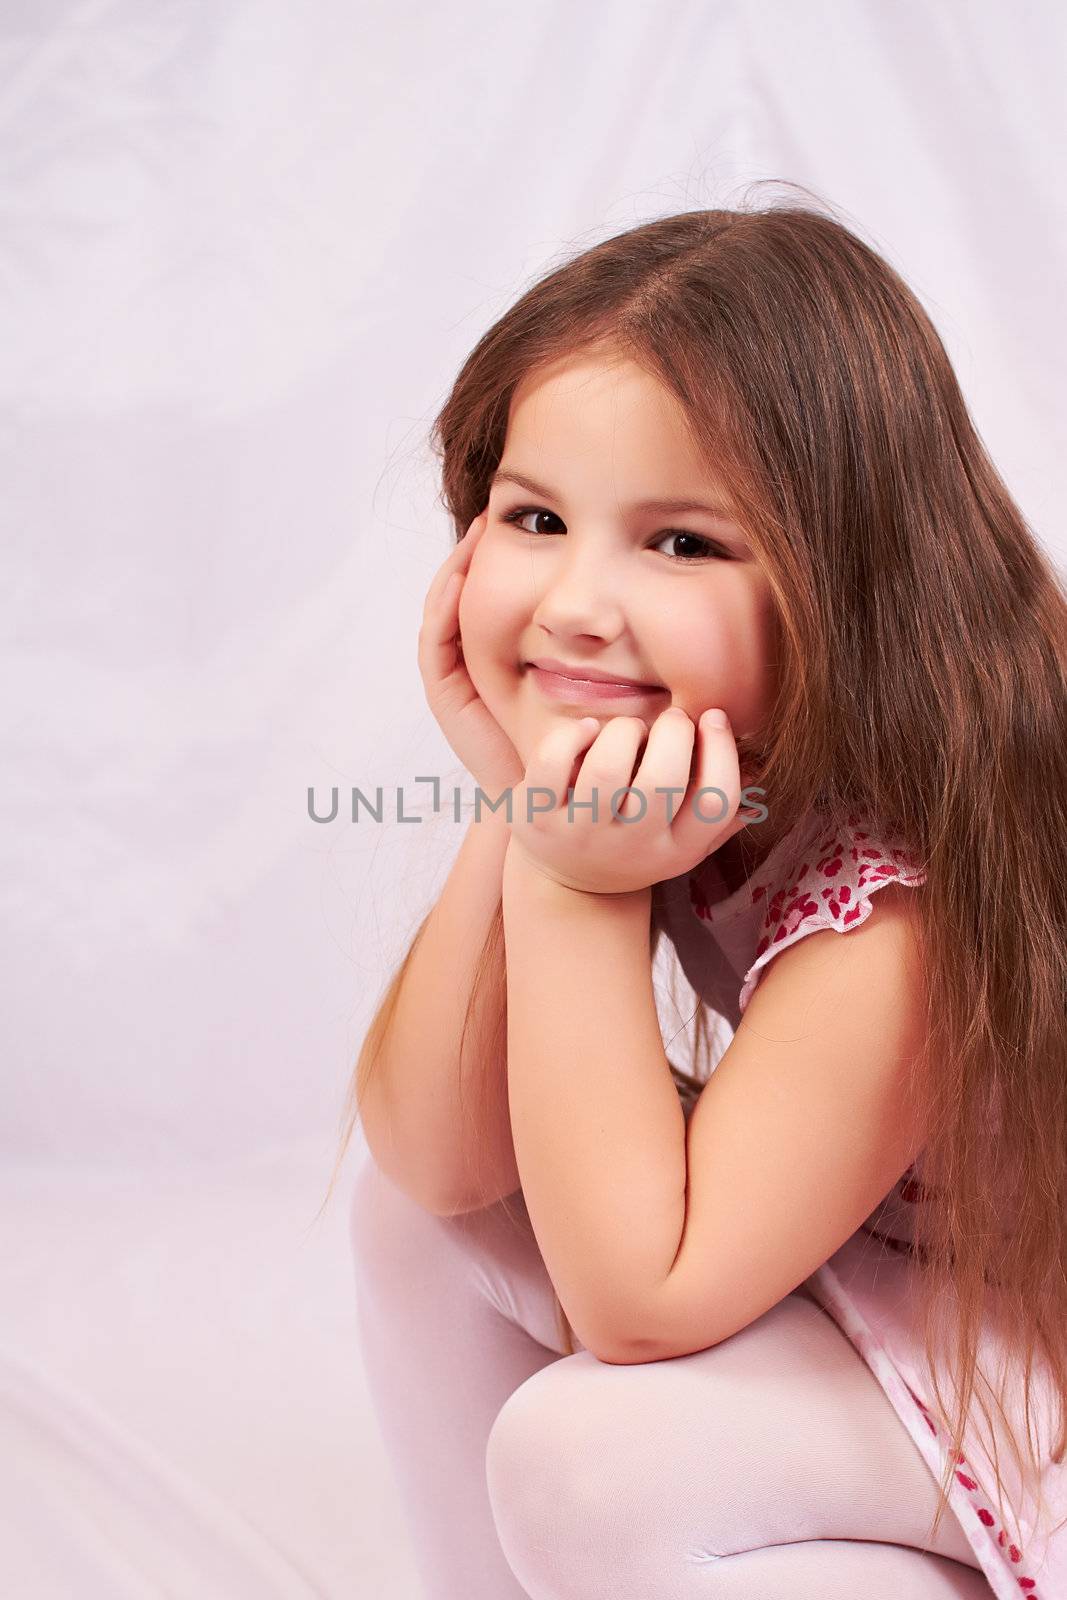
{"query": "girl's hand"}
[(610, 855), (465, 720)]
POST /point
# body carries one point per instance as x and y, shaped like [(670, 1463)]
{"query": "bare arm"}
[(449, 1154), (599, 1130), (661, 1237)]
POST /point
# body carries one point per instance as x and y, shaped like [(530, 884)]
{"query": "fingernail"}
[(716, 719)]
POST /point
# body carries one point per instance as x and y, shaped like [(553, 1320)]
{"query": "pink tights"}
[(771, 1467)]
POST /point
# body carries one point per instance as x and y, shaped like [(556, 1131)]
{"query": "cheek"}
[(490, 608), (720, 653), (695, 653), (476, 613)]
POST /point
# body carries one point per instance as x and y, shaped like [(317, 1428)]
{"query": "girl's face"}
[(573, 566)]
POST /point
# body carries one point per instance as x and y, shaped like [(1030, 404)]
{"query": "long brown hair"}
[(923, 637)]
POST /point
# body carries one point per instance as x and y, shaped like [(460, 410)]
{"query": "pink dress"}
[(814, 879)]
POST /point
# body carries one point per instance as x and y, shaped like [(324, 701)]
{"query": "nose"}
[(582, 595)]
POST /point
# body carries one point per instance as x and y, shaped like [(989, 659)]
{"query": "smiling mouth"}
[(559, 686)]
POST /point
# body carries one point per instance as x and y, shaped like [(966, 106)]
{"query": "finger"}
[(476, 527), (440, 652), (706, 820), (666, 764), (553, 763), (439, 647), (608, 767), (457, 560)]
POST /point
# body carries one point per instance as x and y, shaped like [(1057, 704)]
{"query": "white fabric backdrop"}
[(245, 247)]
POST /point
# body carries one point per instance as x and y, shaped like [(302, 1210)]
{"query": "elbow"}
[(629, 1354), (669, 1330), (623, 1350)]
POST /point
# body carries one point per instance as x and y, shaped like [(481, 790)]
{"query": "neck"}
[(743, 852)]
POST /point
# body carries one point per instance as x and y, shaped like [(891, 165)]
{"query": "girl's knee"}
[(557, 1461)]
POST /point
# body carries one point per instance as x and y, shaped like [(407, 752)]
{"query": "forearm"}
[(598, 1129), (420, 1131)]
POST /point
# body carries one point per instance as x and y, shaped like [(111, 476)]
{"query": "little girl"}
[(813, 1338)]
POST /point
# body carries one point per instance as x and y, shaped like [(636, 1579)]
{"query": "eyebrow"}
[(660, 508)]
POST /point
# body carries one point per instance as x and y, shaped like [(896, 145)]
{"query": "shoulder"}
[(877, 969), (848, 1015), (859, 1002), (833, 884)]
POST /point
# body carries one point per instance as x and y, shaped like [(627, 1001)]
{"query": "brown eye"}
[(516, 517), (707, 549)]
